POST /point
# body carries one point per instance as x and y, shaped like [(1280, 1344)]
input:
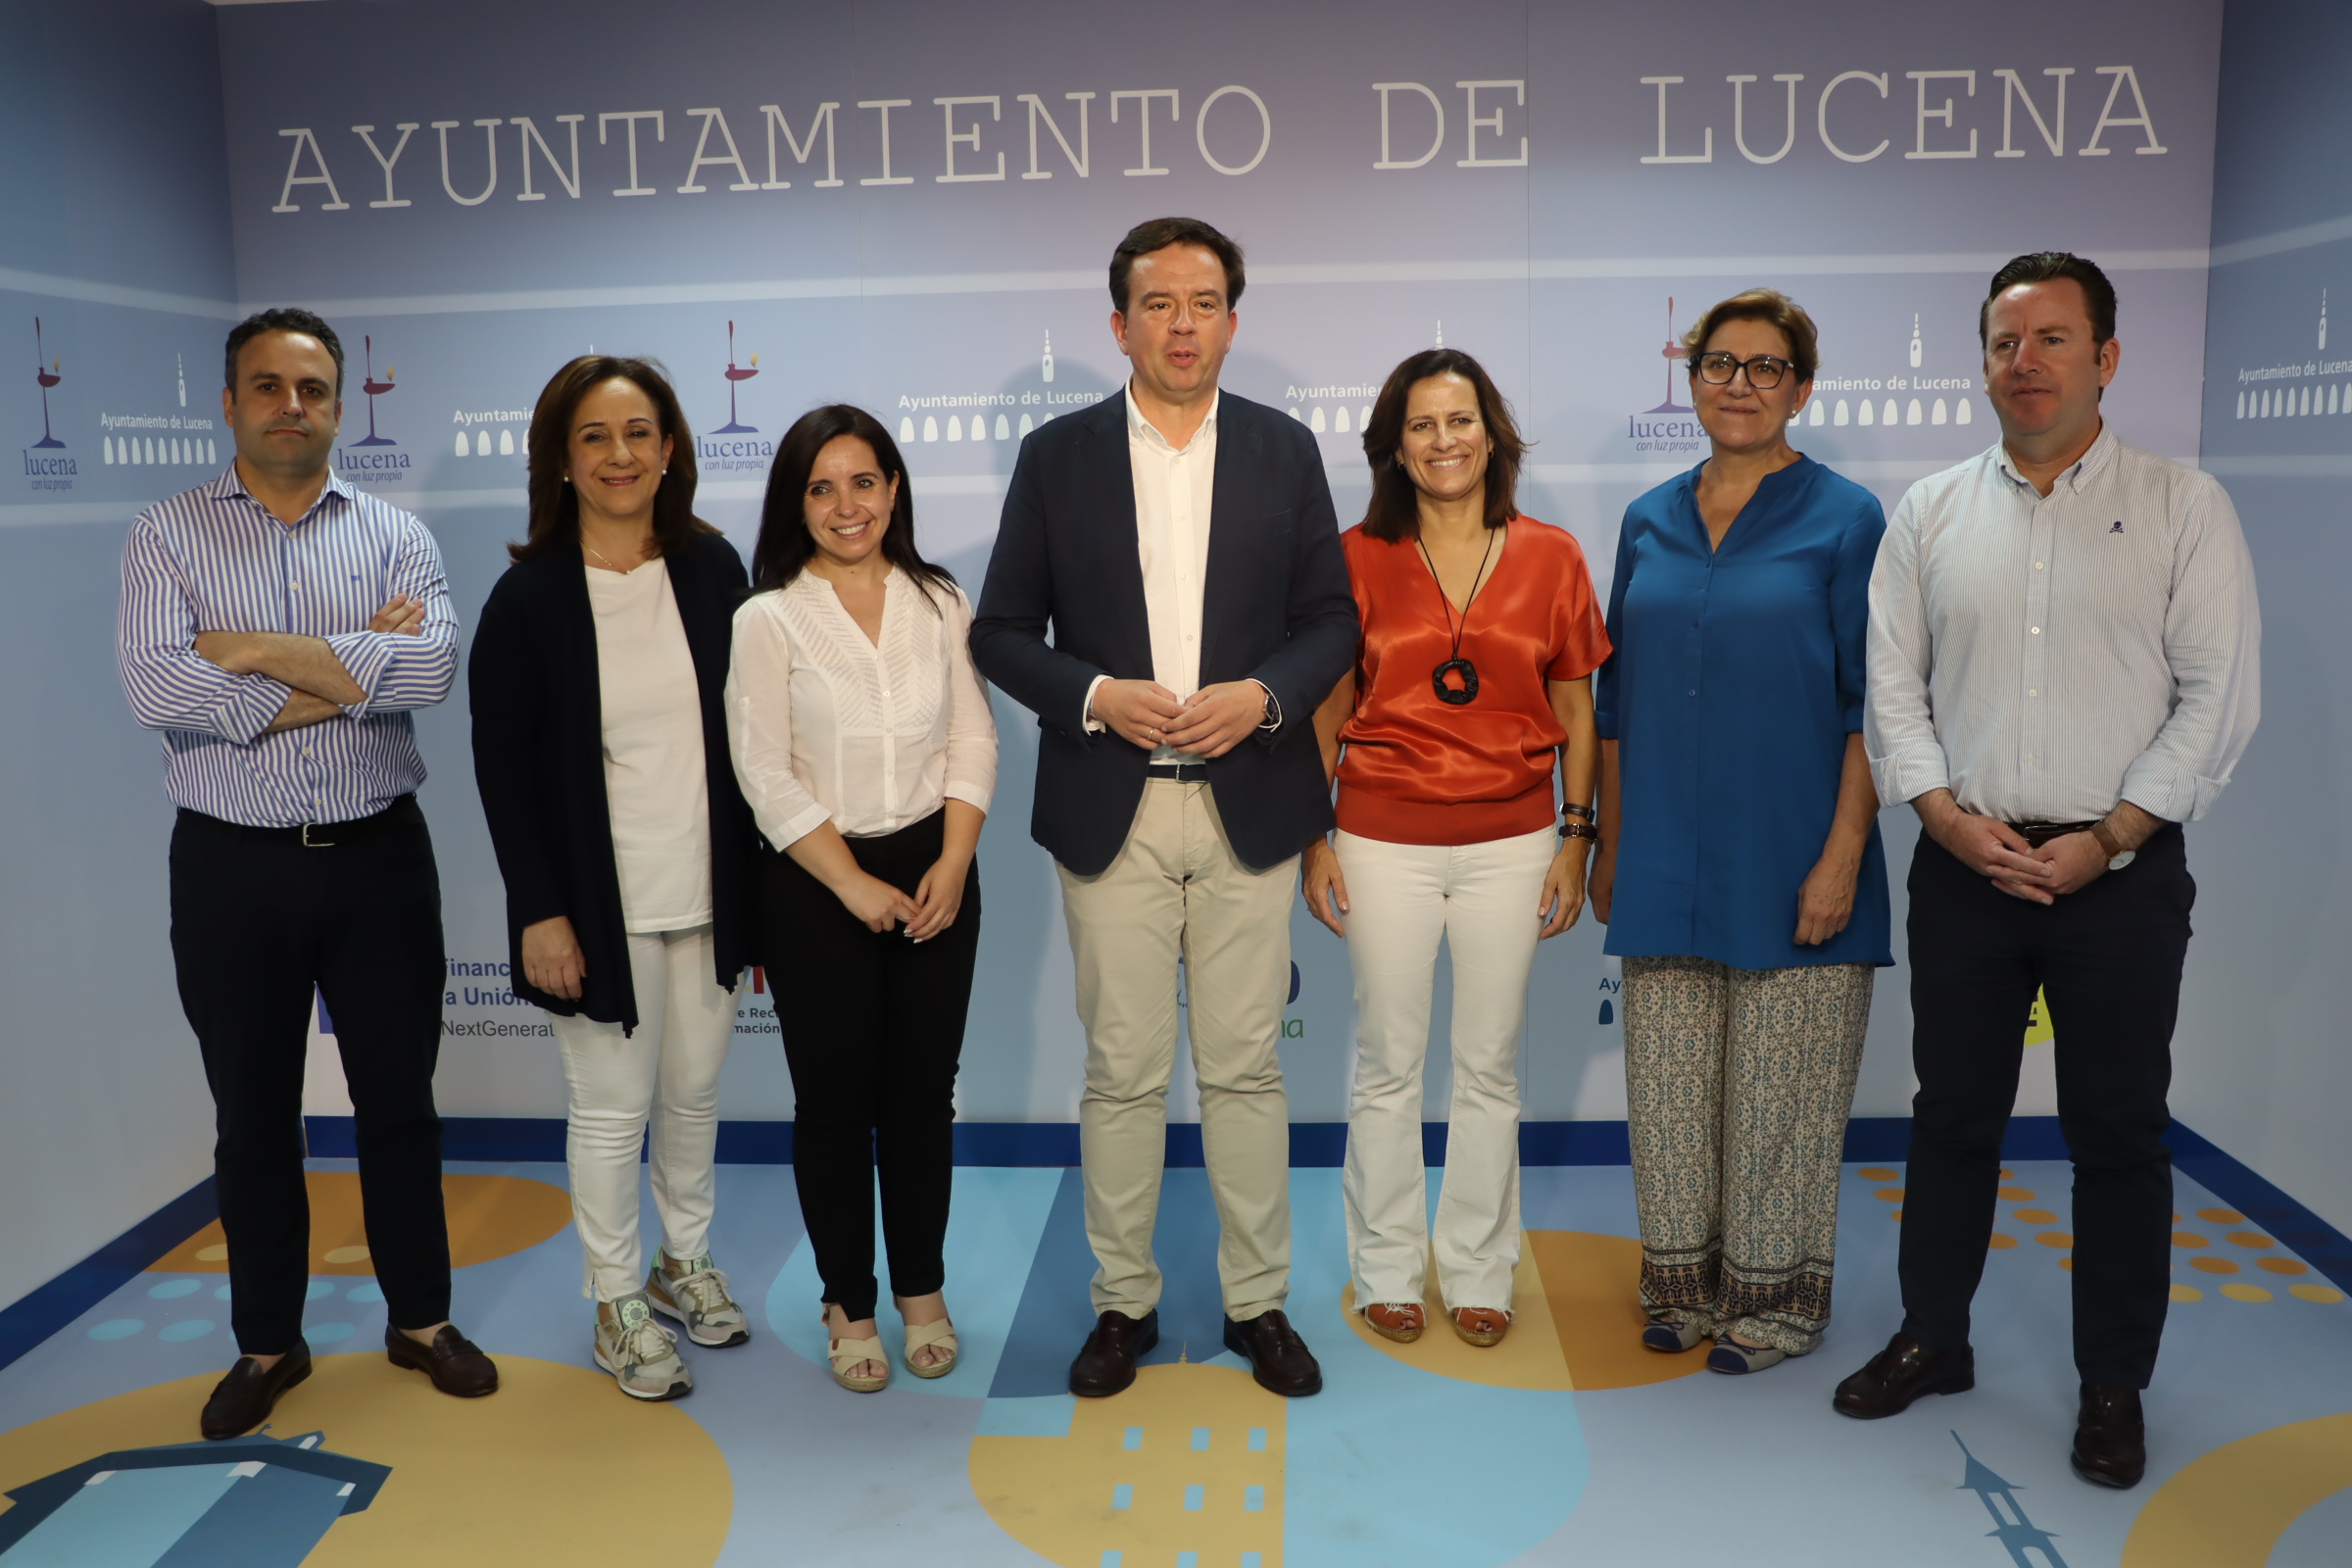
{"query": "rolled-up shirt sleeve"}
[(402, 670), (759, 730), (1899, 728), (971, 762), (2213, 640), (170, 686)]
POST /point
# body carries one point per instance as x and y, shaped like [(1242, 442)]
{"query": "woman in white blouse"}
[(863, 743)]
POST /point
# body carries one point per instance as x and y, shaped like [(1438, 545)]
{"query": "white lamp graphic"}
[(1916, 349), (1048, 366)]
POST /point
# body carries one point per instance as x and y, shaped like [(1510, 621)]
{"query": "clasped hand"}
[(1211, 722), (1995, 850)]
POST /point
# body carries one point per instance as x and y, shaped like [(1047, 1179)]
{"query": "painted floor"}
[(1567, 1445)]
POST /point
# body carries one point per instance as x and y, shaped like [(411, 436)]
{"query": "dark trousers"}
[(872, 1025), (257, 923), (2109, 959)]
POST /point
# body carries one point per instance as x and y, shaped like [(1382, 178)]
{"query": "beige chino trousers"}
[(1178, 890)]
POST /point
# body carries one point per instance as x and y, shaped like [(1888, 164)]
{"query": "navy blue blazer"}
[(1276, 608)]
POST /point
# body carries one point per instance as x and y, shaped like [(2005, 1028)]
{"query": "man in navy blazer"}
[(1182, 546)]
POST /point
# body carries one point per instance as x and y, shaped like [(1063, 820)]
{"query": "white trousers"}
[(665, 1073), (1403, 898)]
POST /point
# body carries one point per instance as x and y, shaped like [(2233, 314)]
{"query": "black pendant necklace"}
[(1456, 666)]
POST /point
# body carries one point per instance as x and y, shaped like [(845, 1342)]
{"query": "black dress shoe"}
[(243, 1399), (1278, 1357), (455, 1363), (1901, 1373), (2110, 1438), (1107, 1363)]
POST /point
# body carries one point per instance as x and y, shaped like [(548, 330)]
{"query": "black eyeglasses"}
[(1764, 371)]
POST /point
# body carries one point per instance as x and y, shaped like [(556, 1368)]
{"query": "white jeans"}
[(1403, 898), (668, 1073)]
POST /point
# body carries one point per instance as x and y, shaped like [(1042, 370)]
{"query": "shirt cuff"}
[(1272, 702), (795, 827), (250, 706), (364, 655), (1085, 710), (975, 796), (1907, 775), (2162, 787)]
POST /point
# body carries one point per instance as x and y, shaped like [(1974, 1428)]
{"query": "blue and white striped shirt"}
[(213, 558)]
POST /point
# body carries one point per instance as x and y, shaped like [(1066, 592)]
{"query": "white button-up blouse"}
[(828, 727)]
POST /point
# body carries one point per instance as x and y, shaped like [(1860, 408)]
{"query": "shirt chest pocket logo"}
[(2118, 526)]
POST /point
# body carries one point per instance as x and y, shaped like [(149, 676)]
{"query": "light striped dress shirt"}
[(213, 558), (2045, 656)]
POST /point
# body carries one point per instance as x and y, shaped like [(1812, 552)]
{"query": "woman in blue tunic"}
[(1740, 870)]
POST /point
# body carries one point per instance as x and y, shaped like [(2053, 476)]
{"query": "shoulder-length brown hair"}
[(555, 508), (1396, 509)]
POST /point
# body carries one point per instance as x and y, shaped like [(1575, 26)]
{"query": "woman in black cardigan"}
[(600, 743)]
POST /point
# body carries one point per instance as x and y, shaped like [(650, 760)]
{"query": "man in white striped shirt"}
[(2064, 668), (277, 627)]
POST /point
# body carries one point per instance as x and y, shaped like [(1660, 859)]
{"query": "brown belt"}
[(2037, 834)]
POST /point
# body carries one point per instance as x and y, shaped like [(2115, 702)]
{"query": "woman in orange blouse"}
[(1480, 633)]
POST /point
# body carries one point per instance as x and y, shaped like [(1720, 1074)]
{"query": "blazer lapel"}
[(1120, 550), (1240, 450)]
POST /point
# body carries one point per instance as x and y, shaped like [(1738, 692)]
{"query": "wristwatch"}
[(2117, 855)]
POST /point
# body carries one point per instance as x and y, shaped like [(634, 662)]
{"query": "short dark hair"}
[(1396, 509), (1161, 233), (1773, 309), (555, 505), (785, 545), (282, 319), (2042, 267)]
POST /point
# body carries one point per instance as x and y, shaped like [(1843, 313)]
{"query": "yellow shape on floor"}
[(2037, 1022), (1577, 1322), (2228, 1508), (473, 1481), (1207, 1443), (489, 1218)]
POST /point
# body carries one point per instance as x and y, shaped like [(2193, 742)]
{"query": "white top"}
[(657, 791), (826, 726), (1173, 486), (2046, 657)]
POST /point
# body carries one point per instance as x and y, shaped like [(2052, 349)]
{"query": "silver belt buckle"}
[(322, 844)]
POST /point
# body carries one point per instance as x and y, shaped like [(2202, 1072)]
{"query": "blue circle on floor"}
[(221, 1294), (118, 1328), (171, 1290), (328, 1332), (195, 1328), (319, 1289), (367, 1293)]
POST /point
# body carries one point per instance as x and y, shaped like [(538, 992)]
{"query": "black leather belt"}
[(2037, 834), (1181, 772), (403, 812)]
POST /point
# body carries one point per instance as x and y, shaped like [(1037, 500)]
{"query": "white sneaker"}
[(696, 1295), (641, 1355)]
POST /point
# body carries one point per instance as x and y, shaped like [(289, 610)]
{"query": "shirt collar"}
[(2087, 468), (230, 485), (1142, 429)]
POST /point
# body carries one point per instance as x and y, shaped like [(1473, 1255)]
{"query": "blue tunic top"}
[(1737, 678)]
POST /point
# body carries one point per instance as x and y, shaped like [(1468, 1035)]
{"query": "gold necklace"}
[(607, 560)]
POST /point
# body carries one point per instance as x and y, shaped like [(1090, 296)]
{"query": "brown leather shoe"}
[(455, 1363), (1278, 1357), (243, 1399), (1105, 1365), (2110, 1436), (1402, 1321), (1901, 1373), (1479, 1325)]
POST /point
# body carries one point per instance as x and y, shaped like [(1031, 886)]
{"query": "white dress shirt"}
[(2045, 656), (826, 726), (655, 783)]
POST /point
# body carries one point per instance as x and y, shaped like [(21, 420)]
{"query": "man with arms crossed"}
[(251, 636), (1182, 544), (2064, 651)]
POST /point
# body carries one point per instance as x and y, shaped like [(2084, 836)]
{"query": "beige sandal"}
[(942, 1334), (846, 1353)]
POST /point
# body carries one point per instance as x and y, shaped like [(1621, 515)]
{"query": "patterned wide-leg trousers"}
[(1738, 1087)]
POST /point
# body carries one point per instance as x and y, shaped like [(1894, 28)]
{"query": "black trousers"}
[(2109, 959), (873, 1026), (257, 922)]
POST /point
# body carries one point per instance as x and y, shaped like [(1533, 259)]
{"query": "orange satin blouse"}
[(1418, 770)]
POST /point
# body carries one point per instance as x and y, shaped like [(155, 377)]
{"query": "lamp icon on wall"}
[(736, 373), (48, 378), (1673, 350), (373, 388)]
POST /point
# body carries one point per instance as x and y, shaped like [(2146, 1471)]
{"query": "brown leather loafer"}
[(1402, 1321), (1481, 1326), (1900, 1373), (455, 1363), (1278, 1357), (1105, 1365), (2110, 1438), (243, 1399)]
